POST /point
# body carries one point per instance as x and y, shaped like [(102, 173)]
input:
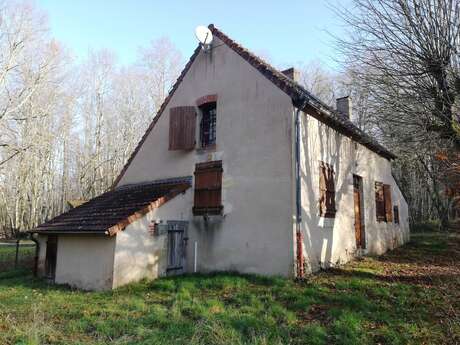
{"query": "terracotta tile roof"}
[(300, 97), (304, 99), (115, 209)]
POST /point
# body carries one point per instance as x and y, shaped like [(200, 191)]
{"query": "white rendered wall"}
[(85, 262), (254, 143), (332, 241), (139, 254)]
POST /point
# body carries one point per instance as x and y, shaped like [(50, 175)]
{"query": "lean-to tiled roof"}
[(115, 209)]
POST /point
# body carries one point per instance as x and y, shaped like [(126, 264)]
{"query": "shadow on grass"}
[(426, 279), (425, 249), (24, 278), (361, 303)]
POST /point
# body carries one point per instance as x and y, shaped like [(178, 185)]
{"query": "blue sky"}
[(286, 31)]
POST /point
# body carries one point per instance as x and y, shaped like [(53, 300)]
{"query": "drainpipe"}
[(298, 199)]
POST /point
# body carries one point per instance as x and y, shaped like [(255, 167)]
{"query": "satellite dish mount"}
[(204, 36)]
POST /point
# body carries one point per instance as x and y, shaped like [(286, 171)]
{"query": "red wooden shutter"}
[(330, 197), (379, 202), (388, 203), (182, 126), (174, 122), (208, 188), (322, 189), (326, 190)]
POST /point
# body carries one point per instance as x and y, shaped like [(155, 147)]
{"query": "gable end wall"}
[(254, 120)]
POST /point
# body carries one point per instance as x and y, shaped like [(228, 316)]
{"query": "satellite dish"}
[(204, 35)]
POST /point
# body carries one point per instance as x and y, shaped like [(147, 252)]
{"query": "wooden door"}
[(51, 257), (177, 242), (358, 208)]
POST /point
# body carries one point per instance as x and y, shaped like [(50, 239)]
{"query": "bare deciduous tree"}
[(405, 54), (66, 130), (161, 63), (320, 81)]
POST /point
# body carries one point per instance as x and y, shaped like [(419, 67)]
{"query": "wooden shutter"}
[(182, 123), (322, 189), (388, 203), (326, 190), (330, 194), (379, 202), (208, 188)]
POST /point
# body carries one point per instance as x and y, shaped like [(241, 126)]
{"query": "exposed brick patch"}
[(206, 99)]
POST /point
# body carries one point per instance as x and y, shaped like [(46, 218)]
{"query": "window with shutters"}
[(388, 203), (182, 124), (396, 214), (208, 124), (208, 188), (326, 190), (383, 204)]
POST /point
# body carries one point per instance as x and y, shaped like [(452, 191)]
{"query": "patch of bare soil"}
[(317, 313)]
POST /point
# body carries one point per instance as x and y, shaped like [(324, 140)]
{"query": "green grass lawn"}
[(409, 296), (8, 254)]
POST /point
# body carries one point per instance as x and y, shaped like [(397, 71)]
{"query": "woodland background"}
[(67, 128)]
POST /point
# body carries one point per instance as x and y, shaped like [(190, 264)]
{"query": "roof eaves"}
[(167, 181), (75, 232), (302, 98), (333, 119), (120, 226)]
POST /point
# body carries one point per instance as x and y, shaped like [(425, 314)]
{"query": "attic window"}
[(208, 124), (327, 191)]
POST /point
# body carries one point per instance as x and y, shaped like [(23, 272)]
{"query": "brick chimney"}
[(292, 73), (344, 106)]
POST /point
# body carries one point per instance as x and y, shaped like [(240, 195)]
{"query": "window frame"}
[(379, 202), (383, 202), (208, 118), (388, 203), (327, 206)]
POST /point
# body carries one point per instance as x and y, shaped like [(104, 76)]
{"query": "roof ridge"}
[(299, 95), (273, 69)]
